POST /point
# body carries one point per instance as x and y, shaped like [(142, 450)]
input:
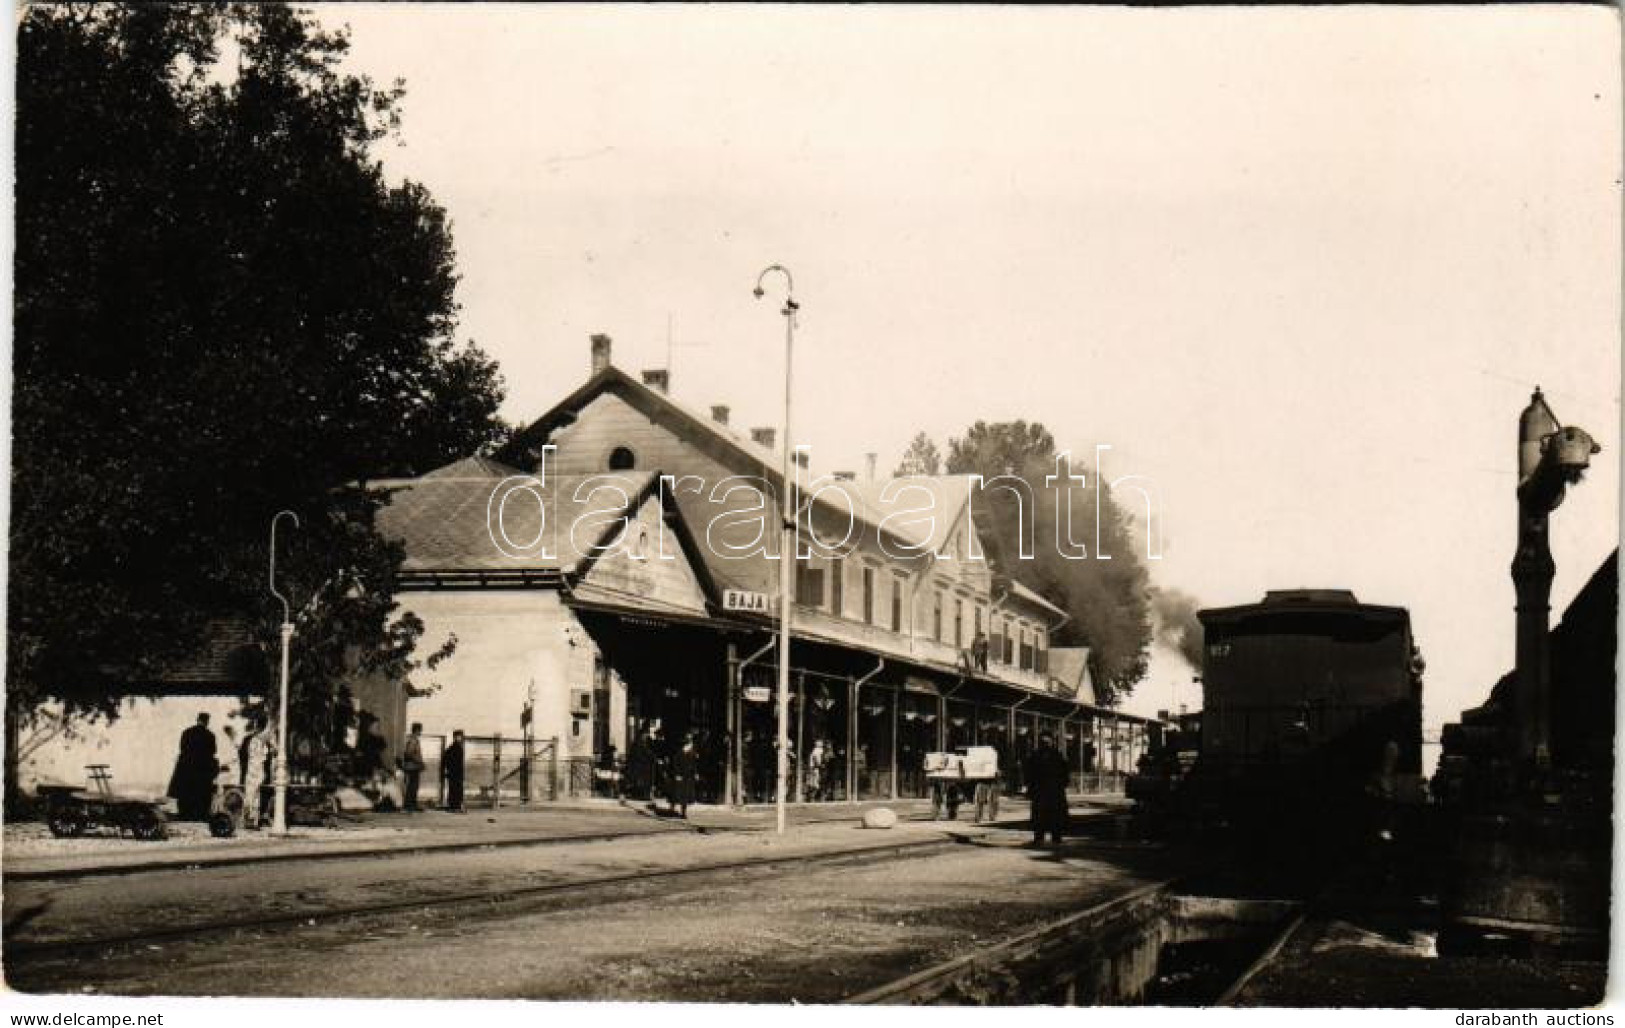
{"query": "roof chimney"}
[(870, 459), (601, 345), (763, 437), (801, 458), (658, 379), (719, 413)]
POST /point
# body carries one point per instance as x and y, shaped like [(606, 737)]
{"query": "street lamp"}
[(279, 817), (787, 540)]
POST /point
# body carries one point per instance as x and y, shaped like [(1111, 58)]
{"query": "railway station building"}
[(612, 584)]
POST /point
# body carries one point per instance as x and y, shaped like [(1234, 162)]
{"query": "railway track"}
[(578, 892), (184, 863), (1108, 953)]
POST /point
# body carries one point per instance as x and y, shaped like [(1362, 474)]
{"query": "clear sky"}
[(1301, 267)]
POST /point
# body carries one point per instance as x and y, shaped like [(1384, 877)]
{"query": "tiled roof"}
[(446, 518), (230, 658), (474, 467), (949, 494)]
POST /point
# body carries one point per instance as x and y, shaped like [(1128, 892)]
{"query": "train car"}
[(1312, 714)]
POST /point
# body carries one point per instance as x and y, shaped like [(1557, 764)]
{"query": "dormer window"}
[(622, 459)]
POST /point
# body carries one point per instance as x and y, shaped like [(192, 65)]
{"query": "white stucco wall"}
[(139, 745)]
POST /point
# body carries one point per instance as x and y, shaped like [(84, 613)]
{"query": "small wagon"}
[(955, 776), (308, 805), (70, 812)]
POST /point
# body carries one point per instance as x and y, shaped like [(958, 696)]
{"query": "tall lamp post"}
[(787, 540), (279, 817)]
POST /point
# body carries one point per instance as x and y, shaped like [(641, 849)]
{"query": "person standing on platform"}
[(192, 784), (1047, 775), (259, 750), (681, 776), (639, 767), (451, 769), (412, 767), (817, 771), (231, 764)]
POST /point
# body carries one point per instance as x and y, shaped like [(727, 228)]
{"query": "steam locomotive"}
[(1311, 719)]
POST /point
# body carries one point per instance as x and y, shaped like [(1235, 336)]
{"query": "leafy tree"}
[(1107, 599), (921, 458), (222, 309)]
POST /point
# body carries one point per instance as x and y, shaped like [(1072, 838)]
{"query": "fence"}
[(499, 770), (1099, 783)]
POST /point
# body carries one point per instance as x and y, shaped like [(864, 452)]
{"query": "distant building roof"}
[(229, 661), (1069, 666)]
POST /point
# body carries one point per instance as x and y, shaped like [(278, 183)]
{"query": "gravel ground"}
[(32, 839), (817, 935)]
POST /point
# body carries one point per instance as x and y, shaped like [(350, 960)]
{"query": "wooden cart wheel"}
[(67, 822), (222, 825)]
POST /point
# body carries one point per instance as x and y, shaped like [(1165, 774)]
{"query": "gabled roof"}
[(1029, 596), (721, 442), (474, 467), (445, 519), (733, 449), (1069, 665)]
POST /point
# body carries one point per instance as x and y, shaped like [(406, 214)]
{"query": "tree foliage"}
[(921, 458), (1107, 600), (222, 309)]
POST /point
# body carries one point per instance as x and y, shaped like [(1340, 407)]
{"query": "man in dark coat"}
[(640, 768), (1047, 776), (192, 784), (451, 767), (681, 777)]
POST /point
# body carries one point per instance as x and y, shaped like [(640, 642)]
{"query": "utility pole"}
[(279, 816), (787, 538)]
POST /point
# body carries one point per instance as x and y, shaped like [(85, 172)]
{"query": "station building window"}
[(622, 459), (868, 595), (809, 584), (896, 602), (837, 586)]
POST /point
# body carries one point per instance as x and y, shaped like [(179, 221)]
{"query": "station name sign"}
[(749, 602)]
